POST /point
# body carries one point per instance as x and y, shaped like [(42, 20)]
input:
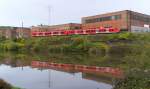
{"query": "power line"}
[(49, 15)]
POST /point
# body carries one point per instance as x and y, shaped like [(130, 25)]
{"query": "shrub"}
[(4, 85), (134, 80)]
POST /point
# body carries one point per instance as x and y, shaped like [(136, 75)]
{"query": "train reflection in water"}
[(115, 72)]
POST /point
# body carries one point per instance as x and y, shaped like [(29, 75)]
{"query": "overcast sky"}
[(34, 12)]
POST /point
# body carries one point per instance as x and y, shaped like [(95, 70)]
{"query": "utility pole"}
[(22, 24), (49, 15), (22, 28), (49, 84)]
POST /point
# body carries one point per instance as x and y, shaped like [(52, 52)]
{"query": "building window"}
[(113, 17), (107, 26), (140, 18), (108, 18), (117, 17), (77, 27)]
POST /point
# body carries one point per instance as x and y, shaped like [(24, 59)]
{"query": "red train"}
[(75, 32)]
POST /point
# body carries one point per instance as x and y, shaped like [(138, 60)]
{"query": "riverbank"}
[(118, 50), (4, 85), (75, 43)]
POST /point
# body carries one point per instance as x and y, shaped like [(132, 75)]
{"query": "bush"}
[(120, 50), (4, 85), (134, 80)]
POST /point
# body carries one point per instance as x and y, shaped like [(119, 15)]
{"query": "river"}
[(17, 69)]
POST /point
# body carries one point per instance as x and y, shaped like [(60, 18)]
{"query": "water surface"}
[(17, 70), (34, 78)]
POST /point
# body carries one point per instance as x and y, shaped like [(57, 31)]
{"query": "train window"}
[(47, 33), (40, 33), (88, 31), (33, 33), (80, 31), (70, 31), (111, 30), (55, 32), (103, 30), (62, 32), (92, 30)]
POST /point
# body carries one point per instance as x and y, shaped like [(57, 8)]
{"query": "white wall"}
[(136, 29)]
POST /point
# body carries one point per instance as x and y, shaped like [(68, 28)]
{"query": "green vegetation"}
[(4, 85), (74, 43), (124, 50), (127, 51), (134, 80)]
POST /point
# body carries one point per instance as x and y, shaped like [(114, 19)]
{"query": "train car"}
[(48, 33), (69, 32), (92, 31)]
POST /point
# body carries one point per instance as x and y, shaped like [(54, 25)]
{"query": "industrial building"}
[(22, 32), (68, 26), (125, 20), (15, 32)]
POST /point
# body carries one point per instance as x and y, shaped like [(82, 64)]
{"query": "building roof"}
[(114, 13)]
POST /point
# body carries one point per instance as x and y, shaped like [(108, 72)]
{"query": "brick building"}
[(125, 20), (3, 31), (11, 33), (23, 32), (15, 32), (69, 26), (39, 28), (8, 32)]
